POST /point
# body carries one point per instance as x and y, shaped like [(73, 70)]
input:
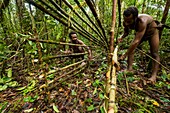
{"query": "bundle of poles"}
[(53, 9)]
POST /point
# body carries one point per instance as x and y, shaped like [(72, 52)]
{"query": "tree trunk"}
[(143, 6), (19, 4), (3, 5), (164, 17)]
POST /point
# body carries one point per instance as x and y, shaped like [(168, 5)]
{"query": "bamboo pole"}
[(70, 74), (84, 21), (59, 11), (110, 105), (66, 67), (60, 56), (78, 3), (113, 26), (54, 42), (73, 27), (90, 4), (112, 94)]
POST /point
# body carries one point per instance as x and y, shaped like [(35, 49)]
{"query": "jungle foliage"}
[(37, 76)]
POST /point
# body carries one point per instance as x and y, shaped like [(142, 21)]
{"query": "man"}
[(146, 29), (78, 49)]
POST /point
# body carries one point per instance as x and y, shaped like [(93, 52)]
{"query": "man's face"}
[(73, 37), (129, 21)]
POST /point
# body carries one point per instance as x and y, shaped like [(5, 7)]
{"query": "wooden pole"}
[(110, 105), (164, 17), (113, 26)]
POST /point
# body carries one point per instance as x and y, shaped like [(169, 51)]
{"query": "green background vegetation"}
[(23, 79)]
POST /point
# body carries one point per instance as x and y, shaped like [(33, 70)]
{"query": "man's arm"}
[(139, 35), (88, 49), (125, 33), (70, 49)]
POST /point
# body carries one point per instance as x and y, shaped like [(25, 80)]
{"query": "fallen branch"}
[(53, 42), (153, 59), (60, 56), (72, 72), (63, 68)]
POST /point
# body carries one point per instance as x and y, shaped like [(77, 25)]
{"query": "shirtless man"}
[(79, 49), (145, 28)]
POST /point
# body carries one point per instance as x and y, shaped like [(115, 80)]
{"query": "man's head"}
[(130, 15), (73, 35)]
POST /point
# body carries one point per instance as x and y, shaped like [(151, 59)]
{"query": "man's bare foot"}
[(152, 80)]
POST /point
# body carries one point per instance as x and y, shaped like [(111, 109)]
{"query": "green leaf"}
[(51, 76), (27, 99), (32, 100), (36, 96), (3, 106), (120, 76), (160, 84), (1, 81), (129, 73), (95, 91), (168, 76), (89, 100), (6, 79), (52, 71), (32, 84), (130, 79), (9, 72), (102, 109), (90, 108), (28, 110), (79, 82), (12, 84), (168, 86), (3, 87), (55, 108), (101, 96), (3, 56), (96, 83), (164, 99), (58, 36), (164, 75), (73, 92), (25, 91), (135, 66), (30, 43), (21, 88)]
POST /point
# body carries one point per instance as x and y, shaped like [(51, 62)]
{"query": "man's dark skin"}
[(78, 49), (145, 28)]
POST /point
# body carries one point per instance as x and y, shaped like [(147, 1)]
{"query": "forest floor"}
[(27, 91)]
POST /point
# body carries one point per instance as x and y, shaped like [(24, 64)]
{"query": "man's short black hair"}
[(131, 10), (72, 32)]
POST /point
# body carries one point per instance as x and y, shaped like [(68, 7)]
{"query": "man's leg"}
[(154, 46), (130, 61), (131, 58)]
